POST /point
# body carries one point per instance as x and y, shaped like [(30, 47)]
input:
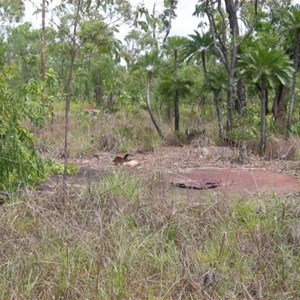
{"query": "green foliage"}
[(20, 162), (55, 168), (296, 129), (246, 125), (263, 64), (197, 45)]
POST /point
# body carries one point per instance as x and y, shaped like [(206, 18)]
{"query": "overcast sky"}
[(184, 24)]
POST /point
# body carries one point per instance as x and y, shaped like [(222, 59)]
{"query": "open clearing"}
[(191, 167)]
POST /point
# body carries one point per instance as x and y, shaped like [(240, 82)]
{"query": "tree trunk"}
[(267, 102), (176, 95), (155, 123), (232, 16), (203, 58), (98, 89), (230, 101), (68, 96), (110, 103), (263, 119), (231, 9), (217, 101), (293, 86), (43, 45), (277, 100), (241, 97)]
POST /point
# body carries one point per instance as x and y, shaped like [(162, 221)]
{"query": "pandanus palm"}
[(266, 67)]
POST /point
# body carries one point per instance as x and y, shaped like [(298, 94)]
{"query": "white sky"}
[(184, 24)]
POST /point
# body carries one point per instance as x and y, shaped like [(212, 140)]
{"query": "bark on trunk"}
[(217, 101), (98, 89), (148, 101), (229, 102), (110, 101), (241, 96), (263, 120), (203, 58), (68, 96), (176, 95), (293, 86), (43, 43)]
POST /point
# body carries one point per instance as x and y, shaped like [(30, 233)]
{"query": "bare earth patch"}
[(195, 168), (245, 181)]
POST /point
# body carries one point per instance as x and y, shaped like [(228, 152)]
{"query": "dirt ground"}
[(196, 168)]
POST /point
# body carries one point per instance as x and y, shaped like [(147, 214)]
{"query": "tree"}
[(20, 161), (172, 46), (149, 63), (266, 67), (223, 18), (294, 26), (197, 48)]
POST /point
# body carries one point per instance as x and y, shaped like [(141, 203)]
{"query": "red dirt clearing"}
[(245, 181)]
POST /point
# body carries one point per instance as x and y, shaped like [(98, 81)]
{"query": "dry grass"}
[(123, 131), (130, 237), (133, 236)]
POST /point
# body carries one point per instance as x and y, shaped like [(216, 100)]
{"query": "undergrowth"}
[(131, 237)]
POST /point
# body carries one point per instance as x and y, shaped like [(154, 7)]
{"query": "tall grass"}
[(129, 237)]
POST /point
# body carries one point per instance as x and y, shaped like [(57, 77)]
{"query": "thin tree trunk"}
[(217, 101), (203, 58), (43, 44), (98, 89), (267, 102), (110, 101), (230, 101), (176, 95), (263, 120), (68, 96), (292, 97), (155, 123), (231, 9)]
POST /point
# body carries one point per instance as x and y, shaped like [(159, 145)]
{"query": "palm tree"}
[(294, 25), (173, 46), (149, 63), (265, 67), (197, 47)]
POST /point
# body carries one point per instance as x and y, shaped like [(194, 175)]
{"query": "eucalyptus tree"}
[(98, 58), (11, 14), (72, 13), (293, 24), (224, 27), (23, 51), (265, 67)]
